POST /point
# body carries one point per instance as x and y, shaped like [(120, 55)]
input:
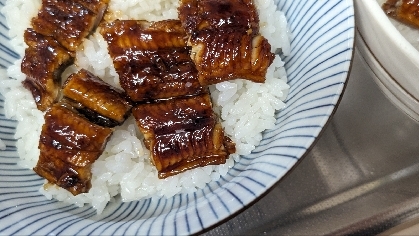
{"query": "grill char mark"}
[(43, 63), (69, 22), (182, 134), (56, 32), (69, 144), (91, 93), (174, 111), (225, 40), (152, 59)]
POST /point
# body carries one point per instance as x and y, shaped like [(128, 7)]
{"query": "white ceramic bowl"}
[(321, 54), (394, 62)]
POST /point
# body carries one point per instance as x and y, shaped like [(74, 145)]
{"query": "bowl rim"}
[(391, 71), (328, 121), (331, 111), (390, 29), (399, 96)]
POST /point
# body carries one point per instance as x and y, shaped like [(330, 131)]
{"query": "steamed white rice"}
[(246, 109)]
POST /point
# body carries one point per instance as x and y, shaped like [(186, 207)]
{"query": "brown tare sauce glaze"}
[(182, 134), (152, 59), (225, 40), (43, 63), (69, 22), (90, 92), (69, 145), (164, 67), (218, 15), (174, 111), (56, 33), (76, 130)]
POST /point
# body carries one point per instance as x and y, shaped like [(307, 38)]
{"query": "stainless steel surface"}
[(362, 176)]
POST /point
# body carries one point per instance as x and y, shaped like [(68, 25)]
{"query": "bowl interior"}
[(321, 52), (394, 92), (387, 44), (409, 33)]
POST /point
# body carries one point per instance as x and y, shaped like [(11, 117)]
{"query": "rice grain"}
[(245, 108)]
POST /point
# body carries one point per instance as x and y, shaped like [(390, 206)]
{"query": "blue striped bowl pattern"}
[(322, 47)]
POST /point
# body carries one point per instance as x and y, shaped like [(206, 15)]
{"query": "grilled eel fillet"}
[(405, 11), (96, 99), (182, 134), (69, 21), (69, 145), (152, 59), (58, 30), (43, 63), (76, 130), (225, 40), (174, 111)]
